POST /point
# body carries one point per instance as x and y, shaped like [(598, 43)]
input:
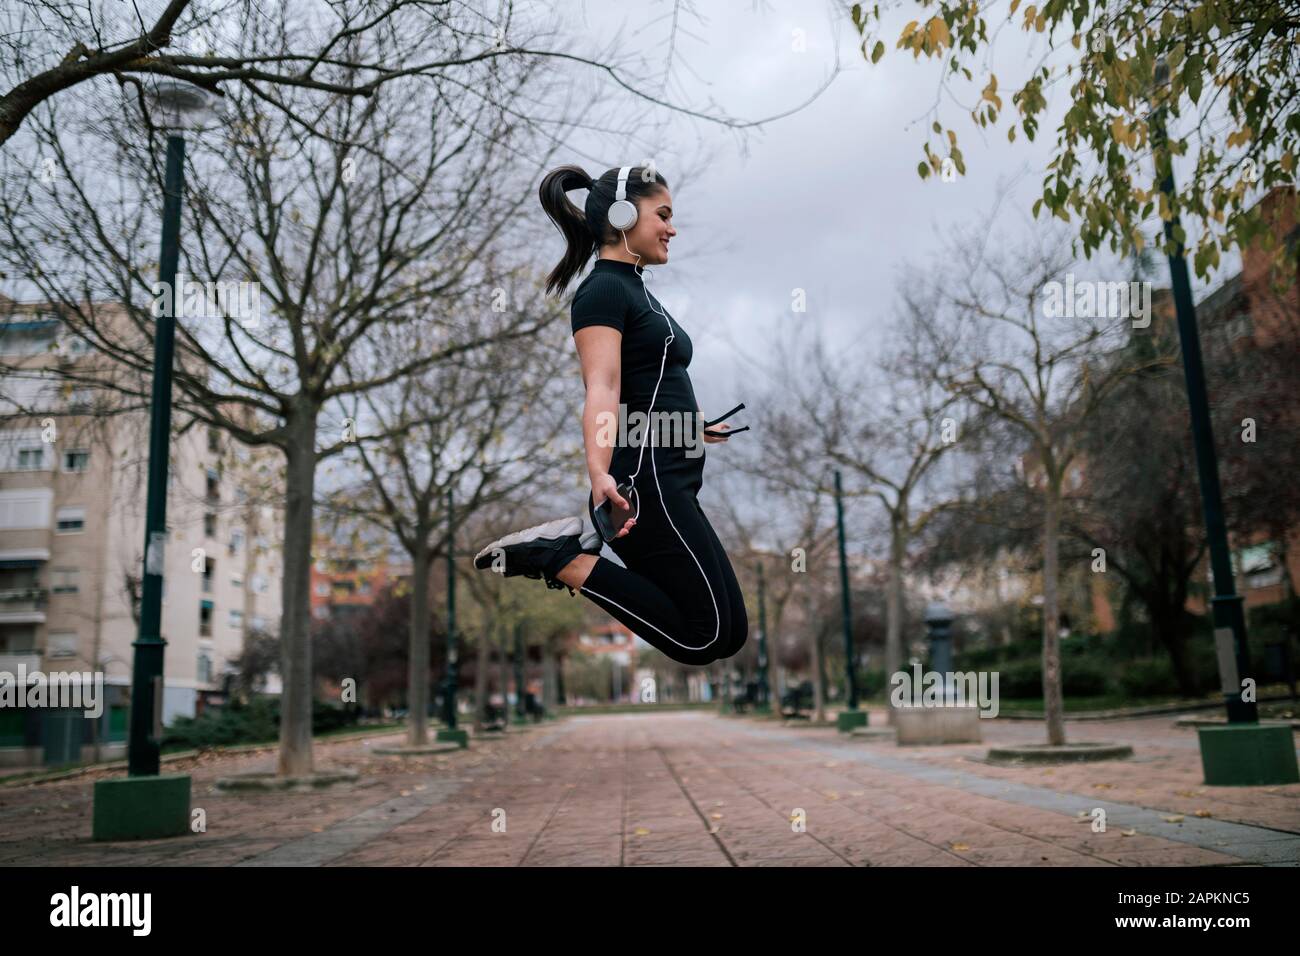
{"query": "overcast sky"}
[(827, 200)]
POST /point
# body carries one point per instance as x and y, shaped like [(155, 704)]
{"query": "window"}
[(26, 508), (65, 580), (321, 613), (70, 520), (34, 336), (236, 541), (323, 588), (205, 619), (1240, 326), (210, 525), (76, 461), (209, 571), (260, 583), (236, 581), (63, 644), (81, 400), (236, 618), (214, 440), (213, 486), (364, 587), (204, 669), (31, 458)]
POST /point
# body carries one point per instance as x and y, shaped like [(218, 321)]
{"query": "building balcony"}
[(23, 605), (30, 661)]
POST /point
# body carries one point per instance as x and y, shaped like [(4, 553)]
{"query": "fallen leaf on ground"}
[(1174, 819), (642, 831), (1204, 813), (1128, 833), (960, 846)]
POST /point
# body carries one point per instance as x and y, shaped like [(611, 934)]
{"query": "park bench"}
[(797, 699)]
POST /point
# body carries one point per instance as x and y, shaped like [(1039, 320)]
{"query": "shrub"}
[(1147, 677), (258, 721)]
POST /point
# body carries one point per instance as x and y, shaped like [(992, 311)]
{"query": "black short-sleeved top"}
[(612, 294)]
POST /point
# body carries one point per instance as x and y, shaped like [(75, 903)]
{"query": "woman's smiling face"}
[(654, 227)]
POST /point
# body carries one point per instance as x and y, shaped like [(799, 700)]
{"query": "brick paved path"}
[(699, 789)]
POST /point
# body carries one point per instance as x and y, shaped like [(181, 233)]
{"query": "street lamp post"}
[(1229, 618), (1243, 752), (147, 804)]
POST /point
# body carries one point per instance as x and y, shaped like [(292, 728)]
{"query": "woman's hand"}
[(604, 486), (714, 439)]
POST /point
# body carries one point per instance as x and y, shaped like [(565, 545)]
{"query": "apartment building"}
[(72, 506)]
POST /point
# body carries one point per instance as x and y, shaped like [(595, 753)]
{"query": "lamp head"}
[(177, 105)]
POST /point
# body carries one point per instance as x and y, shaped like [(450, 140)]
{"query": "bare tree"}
[(260, 47), (349, 234), (998, 346), (483, 427)]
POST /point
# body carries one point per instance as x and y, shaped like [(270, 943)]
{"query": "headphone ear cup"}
[(622, 214)]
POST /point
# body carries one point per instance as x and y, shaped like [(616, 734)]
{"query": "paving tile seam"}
[(691, 800), (786, 816)]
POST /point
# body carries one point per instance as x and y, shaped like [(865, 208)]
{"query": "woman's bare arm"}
[(600, 351)]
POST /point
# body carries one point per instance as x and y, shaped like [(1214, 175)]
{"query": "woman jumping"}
[(678, 591)]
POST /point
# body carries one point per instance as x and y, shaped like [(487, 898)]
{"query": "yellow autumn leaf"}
[(1204, 813), (642, 831), (960, 847), (937, 33), (1174, 819)]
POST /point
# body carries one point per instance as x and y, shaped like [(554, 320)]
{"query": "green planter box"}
[(846, 720), (1248, 755), (141, 808)]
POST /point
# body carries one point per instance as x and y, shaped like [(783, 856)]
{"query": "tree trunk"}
[(894, 608), (1053, 704), (1169, 623), (819, 669), (550, 688), (417, 689), (483, 659), (295, 622), (505, 679)]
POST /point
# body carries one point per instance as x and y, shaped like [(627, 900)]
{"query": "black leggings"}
[(678, 592)]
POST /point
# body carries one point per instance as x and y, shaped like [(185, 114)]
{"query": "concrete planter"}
[(937, 725)]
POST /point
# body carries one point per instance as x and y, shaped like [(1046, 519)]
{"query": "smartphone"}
[(609, 517)]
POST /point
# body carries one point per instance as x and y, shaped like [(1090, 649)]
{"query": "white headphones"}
[(622, 213)]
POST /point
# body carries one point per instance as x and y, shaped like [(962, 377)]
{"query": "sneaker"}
[(543, 550)]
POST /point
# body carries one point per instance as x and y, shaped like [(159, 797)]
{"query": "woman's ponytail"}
[(570, 220)]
